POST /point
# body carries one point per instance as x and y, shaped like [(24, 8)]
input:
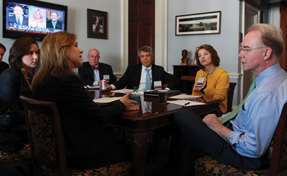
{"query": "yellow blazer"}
[(217, 85)]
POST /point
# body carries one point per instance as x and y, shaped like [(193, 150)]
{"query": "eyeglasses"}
[(247, 50), (148, 55), (97, 57)]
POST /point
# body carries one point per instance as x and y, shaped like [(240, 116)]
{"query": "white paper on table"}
[(184, 96), (185, 103), (106, 100), (124, 91), (92, 87)]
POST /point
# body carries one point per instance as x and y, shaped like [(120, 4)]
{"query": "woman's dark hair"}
[(214, 57), (20, 48)]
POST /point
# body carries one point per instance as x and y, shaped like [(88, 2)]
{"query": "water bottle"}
[(135, 95)]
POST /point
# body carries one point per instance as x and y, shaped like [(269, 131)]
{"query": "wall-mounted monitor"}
[(32, 18)]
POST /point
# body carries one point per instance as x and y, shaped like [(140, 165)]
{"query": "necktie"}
[(147, 80), (234, 113), (95, 67), (18, 21)]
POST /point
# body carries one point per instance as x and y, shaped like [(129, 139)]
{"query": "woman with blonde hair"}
[(37, 20), (211, 81), (86, 145)]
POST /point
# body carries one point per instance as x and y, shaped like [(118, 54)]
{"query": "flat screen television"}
[(27, 18)]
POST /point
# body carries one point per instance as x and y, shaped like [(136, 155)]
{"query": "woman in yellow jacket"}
[(211, 82)]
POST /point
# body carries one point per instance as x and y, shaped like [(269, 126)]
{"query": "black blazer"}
[(87, 74), (12, 19), (80, 117), (12, 85), (50, 25), (132, 77), (3, 66)]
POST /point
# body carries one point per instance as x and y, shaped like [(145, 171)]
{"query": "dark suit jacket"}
[(3, 66), (50, 25), (12, 85), (87, 74), (132, 77), (81, 118), (12, 19)]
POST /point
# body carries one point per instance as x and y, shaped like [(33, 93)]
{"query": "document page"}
[(184, 96), (106, 100), (185, 103), (124, 91)]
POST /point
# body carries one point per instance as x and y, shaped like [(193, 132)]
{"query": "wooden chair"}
[(17, 159), (277, 155), (47, 143), (230, 96)]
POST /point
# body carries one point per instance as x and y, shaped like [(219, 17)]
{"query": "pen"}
[(186, 103)]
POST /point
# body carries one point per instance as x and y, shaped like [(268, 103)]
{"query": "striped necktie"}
[(234, 113), (147, 81)]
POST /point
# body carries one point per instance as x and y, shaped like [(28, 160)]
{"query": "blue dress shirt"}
[(258, 117), (97, 77)]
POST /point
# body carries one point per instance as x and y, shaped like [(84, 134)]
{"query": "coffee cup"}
[(162, 96)]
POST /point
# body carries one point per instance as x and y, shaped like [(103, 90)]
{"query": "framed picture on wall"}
[(200, 23), (97, 24)]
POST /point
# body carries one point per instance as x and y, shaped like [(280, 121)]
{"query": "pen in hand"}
[(186, 103)]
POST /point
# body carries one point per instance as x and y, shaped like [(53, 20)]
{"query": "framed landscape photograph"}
[(97, 24), (200, 23)]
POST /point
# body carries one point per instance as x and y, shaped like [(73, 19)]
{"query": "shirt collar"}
[(146, 67), (265, 73), (19, 18)]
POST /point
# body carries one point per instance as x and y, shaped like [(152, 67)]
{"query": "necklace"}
[(212, 70)]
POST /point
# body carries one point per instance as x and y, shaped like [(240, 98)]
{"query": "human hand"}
[(212, 121), (130, 104), (109, 87)]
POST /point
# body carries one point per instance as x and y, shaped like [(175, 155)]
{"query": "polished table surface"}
[(139, 125)]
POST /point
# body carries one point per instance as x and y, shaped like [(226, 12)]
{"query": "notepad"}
[(106, 100), (185, 103), (92, 87), (124, 91), (184, 97)]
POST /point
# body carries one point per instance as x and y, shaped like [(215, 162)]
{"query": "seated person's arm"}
[(174, 81), (112, 76), (221, 88), (123, 81), (260, 118), (213, 122), (84, 76)]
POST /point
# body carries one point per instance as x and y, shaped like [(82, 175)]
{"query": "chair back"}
[(278, 147), (45, 137), (230, 96)]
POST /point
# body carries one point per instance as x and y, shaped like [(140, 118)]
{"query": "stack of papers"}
[(106, 100), (92, 87), (184, 97), (185, 103), (124, 91)]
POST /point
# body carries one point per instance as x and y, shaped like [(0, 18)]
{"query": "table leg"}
[(139, 143)]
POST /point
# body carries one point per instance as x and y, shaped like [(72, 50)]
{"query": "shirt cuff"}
[(95, 83), (113, 86)]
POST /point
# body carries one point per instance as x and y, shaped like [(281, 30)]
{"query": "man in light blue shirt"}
[(244, 143)]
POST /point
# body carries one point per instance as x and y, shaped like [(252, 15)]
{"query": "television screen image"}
[(33, 18)]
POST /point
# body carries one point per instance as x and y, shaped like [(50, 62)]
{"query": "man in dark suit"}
[(136, 75), (93, 71), (54, 22), (3, 65), (18, 16)]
